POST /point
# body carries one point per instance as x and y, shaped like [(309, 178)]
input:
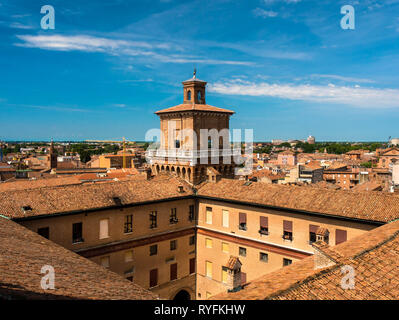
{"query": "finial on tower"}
[(194, 73)]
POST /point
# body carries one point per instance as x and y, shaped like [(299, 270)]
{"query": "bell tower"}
[(194, 90), (195, 141), (53, 156)]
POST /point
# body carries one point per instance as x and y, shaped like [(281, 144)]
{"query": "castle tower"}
[(194, 137)]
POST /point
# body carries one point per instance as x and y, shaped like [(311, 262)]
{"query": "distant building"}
[(311, 140), (287, 158), (387, 156)]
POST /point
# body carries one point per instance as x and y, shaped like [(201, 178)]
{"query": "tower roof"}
[(194, 107)]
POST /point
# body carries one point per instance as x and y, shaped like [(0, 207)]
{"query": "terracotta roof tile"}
[(23, 253), (194, 107)]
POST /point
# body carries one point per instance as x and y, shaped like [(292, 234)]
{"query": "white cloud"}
[(342, 78), (258, 12), (17, 25), (353, 96), (157, 51)]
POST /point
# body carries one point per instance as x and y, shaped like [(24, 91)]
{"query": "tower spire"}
[(194, 73)]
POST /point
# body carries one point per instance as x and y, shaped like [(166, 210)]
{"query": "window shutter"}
[(192, 265), (313, 228), (225, 218), (264, 222), (243, 278), (243, 217), (287, 226), (173, 271), (153, 277), (103, 228), (340, 236)]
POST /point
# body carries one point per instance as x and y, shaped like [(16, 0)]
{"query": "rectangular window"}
[(224, 274), (208, 215), (208, 243), (287, 226), (77, 235), (191, 213), (44, 232), (104, 228), (173, 271), (264, 257), (153, 278), (105, 262), (192, 265), (128, 227), (173, 245), (208, 269), (173, 216), (153, 219), (225, 218), (129, 256), (225, 247), (153, 250), (192, 241), (312, 233), (340, 236), (264, 225), (286, 262), (242, 221), (242, 252)]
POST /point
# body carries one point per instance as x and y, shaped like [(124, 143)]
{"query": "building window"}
[(130, 278), (225, 218), (153, 250), (173, 245), (340, 236), (286, 262), (225, 247), (128, 227), (105, 262), (129, 256), (312, 233), (224, 274), (208, 269), (104, 229), (287, 230), (242, 221), (153, 278), (177, 144), (208, 215), (173, 271), (264, 257), (208, 243), (153, 219), (199, 96), (189, 95), (77, 232), (191, 241), (191, 213), (192, 265), (173, 216), (242, 252), (44, 232), (264, 225)]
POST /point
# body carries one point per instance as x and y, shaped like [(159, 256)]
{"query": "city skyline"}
[(285, 67)]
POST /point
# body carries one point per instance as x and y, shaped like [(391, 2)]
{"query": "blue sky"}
[(285, 66)]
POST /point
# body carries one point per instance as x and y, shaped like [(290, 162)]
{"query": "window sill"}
[(128, 233)]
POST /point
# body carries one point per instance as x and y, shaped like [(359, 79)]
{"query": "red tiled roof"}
[(194, 107), (24, 253), (374, 256), (381, 207)]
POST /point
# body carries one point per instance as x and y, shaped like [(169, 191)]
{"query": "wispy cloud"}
[(259, 12), (157, 51), (18, 25), (342, 78), (353, 96)]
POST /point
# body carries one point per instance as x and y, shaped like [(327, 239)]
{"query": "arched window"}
[(199, 95), (189, 95)]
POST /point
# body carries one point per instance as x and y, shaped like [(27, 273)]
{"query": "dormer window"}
[(27, 208)]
